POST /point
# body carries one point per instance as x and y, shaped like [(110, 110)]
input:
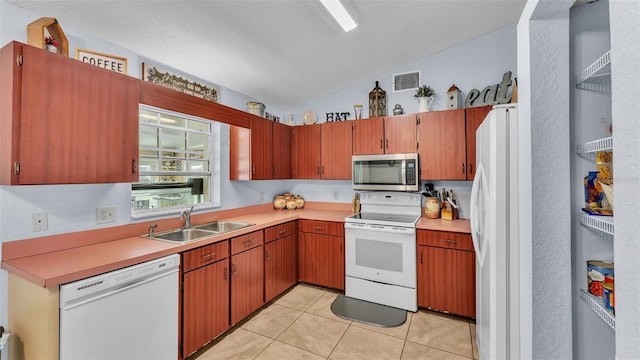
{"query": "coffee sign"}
[(105, 61), (492, 94)]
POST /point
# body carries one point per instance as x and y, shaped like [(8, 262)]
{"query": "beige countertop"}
[(80, 255)]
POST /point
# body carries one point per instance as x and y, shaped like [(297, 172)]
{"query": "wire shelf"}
[(593, 69), (595, 303), (595, 146), (603, 224)]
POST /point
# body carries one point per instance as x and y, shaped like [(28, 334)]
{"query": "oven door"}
[(385, 254)]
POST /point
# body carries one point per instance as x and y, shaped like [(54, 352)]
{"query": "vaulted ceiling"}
[(282, 52)]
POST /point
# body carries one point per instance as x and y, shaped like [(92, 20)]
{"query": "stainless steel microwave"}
[(394, 172)]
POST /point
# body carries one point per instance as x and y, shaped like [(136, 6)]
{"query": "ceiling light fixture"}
[(337, 10)]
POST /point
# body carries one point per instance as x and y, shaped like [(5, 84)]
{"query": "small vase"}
[(51, 48), (425, 103), (279, 202)]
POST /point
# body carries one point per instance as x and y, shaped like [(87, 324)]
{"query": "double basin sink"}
[(185, 235)]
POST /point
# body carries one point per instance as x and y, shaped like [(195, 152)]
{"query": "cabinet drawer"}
[(322, 227), (445, 239), (279, 231), (195, 258), (245, 242)]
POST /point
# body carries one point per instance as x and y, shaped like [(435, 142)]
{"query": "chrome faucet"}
[(186, 216), (152, 230)]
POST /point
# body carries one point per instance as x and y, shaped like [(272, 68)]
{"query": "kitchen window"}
[(178, 163)]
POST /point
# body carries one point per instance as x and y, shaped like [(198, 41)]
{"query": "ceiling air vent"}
[(406, 81)]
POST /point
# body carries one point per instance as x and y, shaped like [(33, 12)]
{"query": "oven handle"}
[(380, 228)]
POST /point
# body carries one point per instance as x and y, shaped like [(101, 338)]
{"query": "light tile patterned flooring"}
[(300, 325)]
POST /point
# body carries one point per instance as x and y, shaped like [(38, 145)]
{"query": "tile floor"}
[(300, 325)]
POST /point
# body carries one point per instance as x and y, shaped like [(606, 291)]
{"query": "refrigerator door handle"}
[(477, 231)]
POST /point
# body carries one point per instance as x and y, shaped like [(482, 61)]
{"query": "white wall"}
[(72, 207), (545, 218), (625, 73)]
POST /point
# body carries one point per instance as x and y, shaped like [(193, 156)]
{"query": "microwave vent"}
[(406, 81)]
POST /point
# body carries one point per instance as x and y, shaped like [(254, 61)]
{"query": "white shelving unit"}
[(596, 77), (595, 303)]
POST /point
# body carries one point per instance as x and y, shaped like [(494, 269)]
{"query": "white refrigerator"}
[(494, 230)]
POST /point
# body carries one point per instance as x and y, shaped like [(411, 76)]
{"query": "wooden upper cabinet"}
[(400, 134), (281, 147), (63, 121), (474, 117), (306, 152), (442, 146), (261, 152), (368, 136), (335, 151)]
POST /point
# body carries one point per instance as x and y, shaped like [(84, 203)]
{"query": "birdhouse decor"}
[(46, 33), (377, 102), (454, 98)]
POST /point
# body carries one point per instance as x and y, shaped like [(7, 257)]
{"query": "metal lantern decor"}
[(377, 102)]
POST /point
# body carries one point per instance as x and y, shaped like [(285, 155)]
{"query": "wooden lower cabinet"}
[(205, 305), (321, 253), (446, 274), (247, 276), (280, 265)]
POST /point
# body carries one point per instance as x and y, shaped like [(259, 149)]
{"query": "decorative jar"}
[(291, 204), (279, 202), (432, 208), (299, 201)]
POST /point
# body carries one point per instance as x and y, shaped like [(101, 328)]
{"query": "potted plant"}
[(425, 94), (51, 44)]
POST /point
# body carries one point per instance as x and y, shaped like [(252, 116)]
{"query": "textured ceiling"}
[(282, 52)]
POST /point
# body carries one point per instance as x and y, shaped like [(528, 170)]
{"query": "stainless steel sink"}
[(182, 235), (197, 232), (223, 226)]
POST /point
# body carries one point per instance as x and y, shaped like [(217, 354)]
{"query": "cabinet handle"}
[(134, 166), (226, 273), (463, 168), (319, 228), (386, 143), (341, 248), (247, 243), (420, 257), (234, 268), (282, 232), (253, 168), (470, 168), (322, 170), (450, 241), (267, 255), (16, 168), (381, 144), (208, 256), (318, 170)]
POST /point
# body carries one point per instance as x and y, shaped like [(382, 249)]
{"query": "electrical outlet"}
[(39, 221), (335, 195), (106, 214), (261, 196)]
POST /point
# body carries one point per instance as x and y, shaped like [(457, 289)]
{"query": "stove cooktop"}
[(399, 219)]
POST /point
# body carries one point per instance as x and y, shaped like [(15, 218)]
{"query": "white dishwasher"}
[(130, 313)]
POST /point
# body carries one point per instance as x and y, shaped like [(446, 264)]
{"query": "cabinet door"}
[(473, 119), (280, 266), (321, 260), (205, 305), (261, 153), (78, 123), (281, 151), (247, 283), (306, 152), (442, 145), (446, 280), (368, 136), (400, 134), (335, 153)]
